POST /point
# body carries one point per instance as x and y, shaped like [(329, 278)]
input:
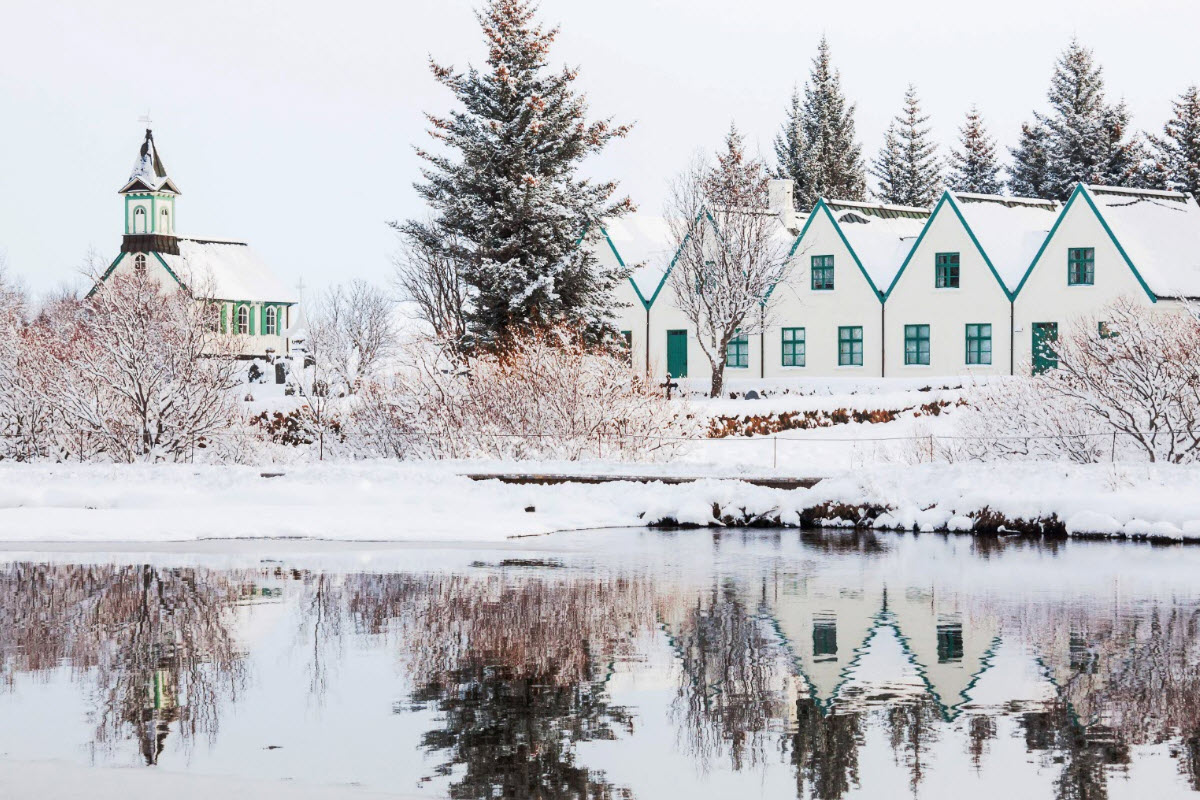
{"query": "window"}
[(793, 347), (139, 264), (139, 220), (946, 268), (243, 319), (165, 227), (916, 344), (1106, 331), (949, 640), (979, 344), (737, 352), (822, 273), (271, 321), (850, 346), (1081, 266), (824, 638)]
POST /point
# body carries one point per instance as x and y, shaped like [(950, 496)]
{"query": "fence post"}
[(931, 448), (774, 452), (599, 450), (1113, 459)]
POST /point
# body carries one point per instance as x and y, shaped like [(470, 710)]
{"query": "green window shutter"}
[(793, 347), (850, 346), (1081, 266), (262, 319), (946, 269), (822, 273), (224, 314), (979, 344), (916, 345), (250, 316)]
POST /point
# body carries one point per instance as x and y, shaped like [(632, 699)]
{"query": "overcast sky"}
[(290, 124)]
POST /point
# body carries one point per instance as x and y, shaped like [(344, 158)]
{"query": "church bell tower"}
[(149, 204)]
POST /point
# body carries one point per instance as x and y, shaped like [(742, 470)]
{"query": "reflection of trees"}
[(912, 726), (825, 749), (516, 667), (733, 669), (156, 643)]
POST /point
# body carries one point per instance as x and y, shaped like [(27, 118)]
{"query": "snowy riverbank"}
[(388, 501)]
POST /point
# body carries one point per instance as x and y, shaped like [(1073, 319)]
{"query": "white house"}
[(1106, 243), (253, 304), (949, 308)]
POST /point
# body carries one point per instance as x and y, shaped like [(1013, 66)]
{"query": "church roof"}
[(226, 270), (149, 173)]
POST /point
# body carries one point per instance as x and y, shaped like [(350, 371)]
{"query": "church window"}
[(139, 220), (272, 325), (139, 264), (166, 222), (243, 319)]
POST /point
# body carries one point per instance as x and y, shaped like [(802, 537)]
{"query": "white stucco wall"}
[(1045, 295), (916, 300)]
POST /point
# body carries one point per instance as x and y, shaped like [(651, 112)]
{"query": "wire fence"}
[(802, 444)]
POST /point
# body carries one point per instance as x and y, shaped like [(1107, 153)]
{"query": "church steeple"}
[(149, 203)]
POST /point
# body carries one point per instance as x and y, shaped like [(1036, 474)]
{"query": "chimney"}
[(780, 201)]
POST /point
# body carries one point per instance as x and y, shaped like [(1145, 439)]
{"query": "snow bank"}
[(389, 501)]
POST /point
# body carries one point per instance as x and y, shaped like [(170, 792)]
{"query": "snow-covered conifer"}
[(816, 147), (1029, 175), (907, 166), (974, 167), (1177, 152), (508, 201)]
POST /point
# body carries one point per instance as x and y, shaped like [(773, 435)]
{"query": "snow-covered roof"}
[(880, 235), (1010, 230), (149, 172), (226, 270), (1160, 232), (646, 245)]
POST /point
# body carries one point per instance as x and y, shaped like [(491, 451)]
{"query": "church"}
[(255, 306)]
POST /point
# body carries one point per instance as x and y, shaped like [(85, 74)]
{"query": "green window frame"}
[(979, 343), (1081, 266), (1105, 330), (822, 273), (737, 352), (916, 345), (850, 346), (793, 347), (946, 271)]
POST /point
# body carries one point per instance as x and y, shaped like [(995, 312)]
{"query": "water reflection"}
[(805, 657)]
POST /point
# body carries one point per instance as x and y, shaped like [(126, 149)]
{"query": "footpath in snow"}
[(389, 501)]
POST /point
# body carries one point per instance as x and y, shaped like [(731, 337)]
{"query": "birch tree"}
[(733, 250)]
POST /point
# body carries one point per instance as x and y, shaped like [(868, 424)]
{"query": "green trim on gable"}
[(667, 273), (1080, 189), (170, 272), (823, 206), (946, 196)]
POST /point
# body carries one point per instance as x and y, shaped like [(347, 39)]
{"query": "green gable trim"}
[(947, 198), (674, 259), (170, 271), (1081, 190), (617, 254), (823, 206)]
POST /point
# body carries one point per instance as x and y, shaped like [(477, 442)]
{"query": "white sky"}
[(291, 124)]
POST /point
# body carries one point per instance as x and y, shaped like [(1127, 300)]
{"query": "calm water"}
[(619, 665)]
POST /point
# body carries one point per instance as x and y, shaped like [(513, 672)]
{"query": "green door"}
[(1045, 334), (677, 354)]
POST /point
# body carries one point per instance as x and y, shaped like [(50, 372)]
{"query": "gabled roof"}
[(642, 243), (879, 237), (225, 270), (1159, 234), (149, 173), (1006, 232)]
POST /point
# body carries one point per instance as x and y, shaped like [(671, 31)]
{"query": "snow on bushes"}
[(547, 395)]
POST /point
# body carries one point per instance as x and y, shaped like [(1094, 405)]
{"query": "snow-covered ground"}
[(389, 501)]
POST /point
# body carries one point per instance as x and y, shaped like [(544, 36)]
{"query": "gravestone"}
[(280, 373), (751, 395)]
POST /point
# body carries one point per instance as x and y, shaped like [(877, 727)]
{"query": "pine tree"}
[(817, 147), (975, 168), (1029, 175), (1087, 137), (1177, 152), (907, 166), (508, 202)]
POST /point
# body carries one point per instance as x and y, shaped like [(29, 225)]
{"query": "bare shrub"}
[(351, 332), (547, 395)]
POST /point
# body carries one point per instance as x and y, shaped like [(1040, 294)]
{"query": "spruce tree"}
[(974, 167), (508, 203), (1029, 175), (907, 166), (1177, 152), (1087, 137), (817, 147)]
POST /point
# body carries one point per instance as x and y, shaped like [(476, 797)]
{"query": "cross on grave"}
[(669, 384)]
